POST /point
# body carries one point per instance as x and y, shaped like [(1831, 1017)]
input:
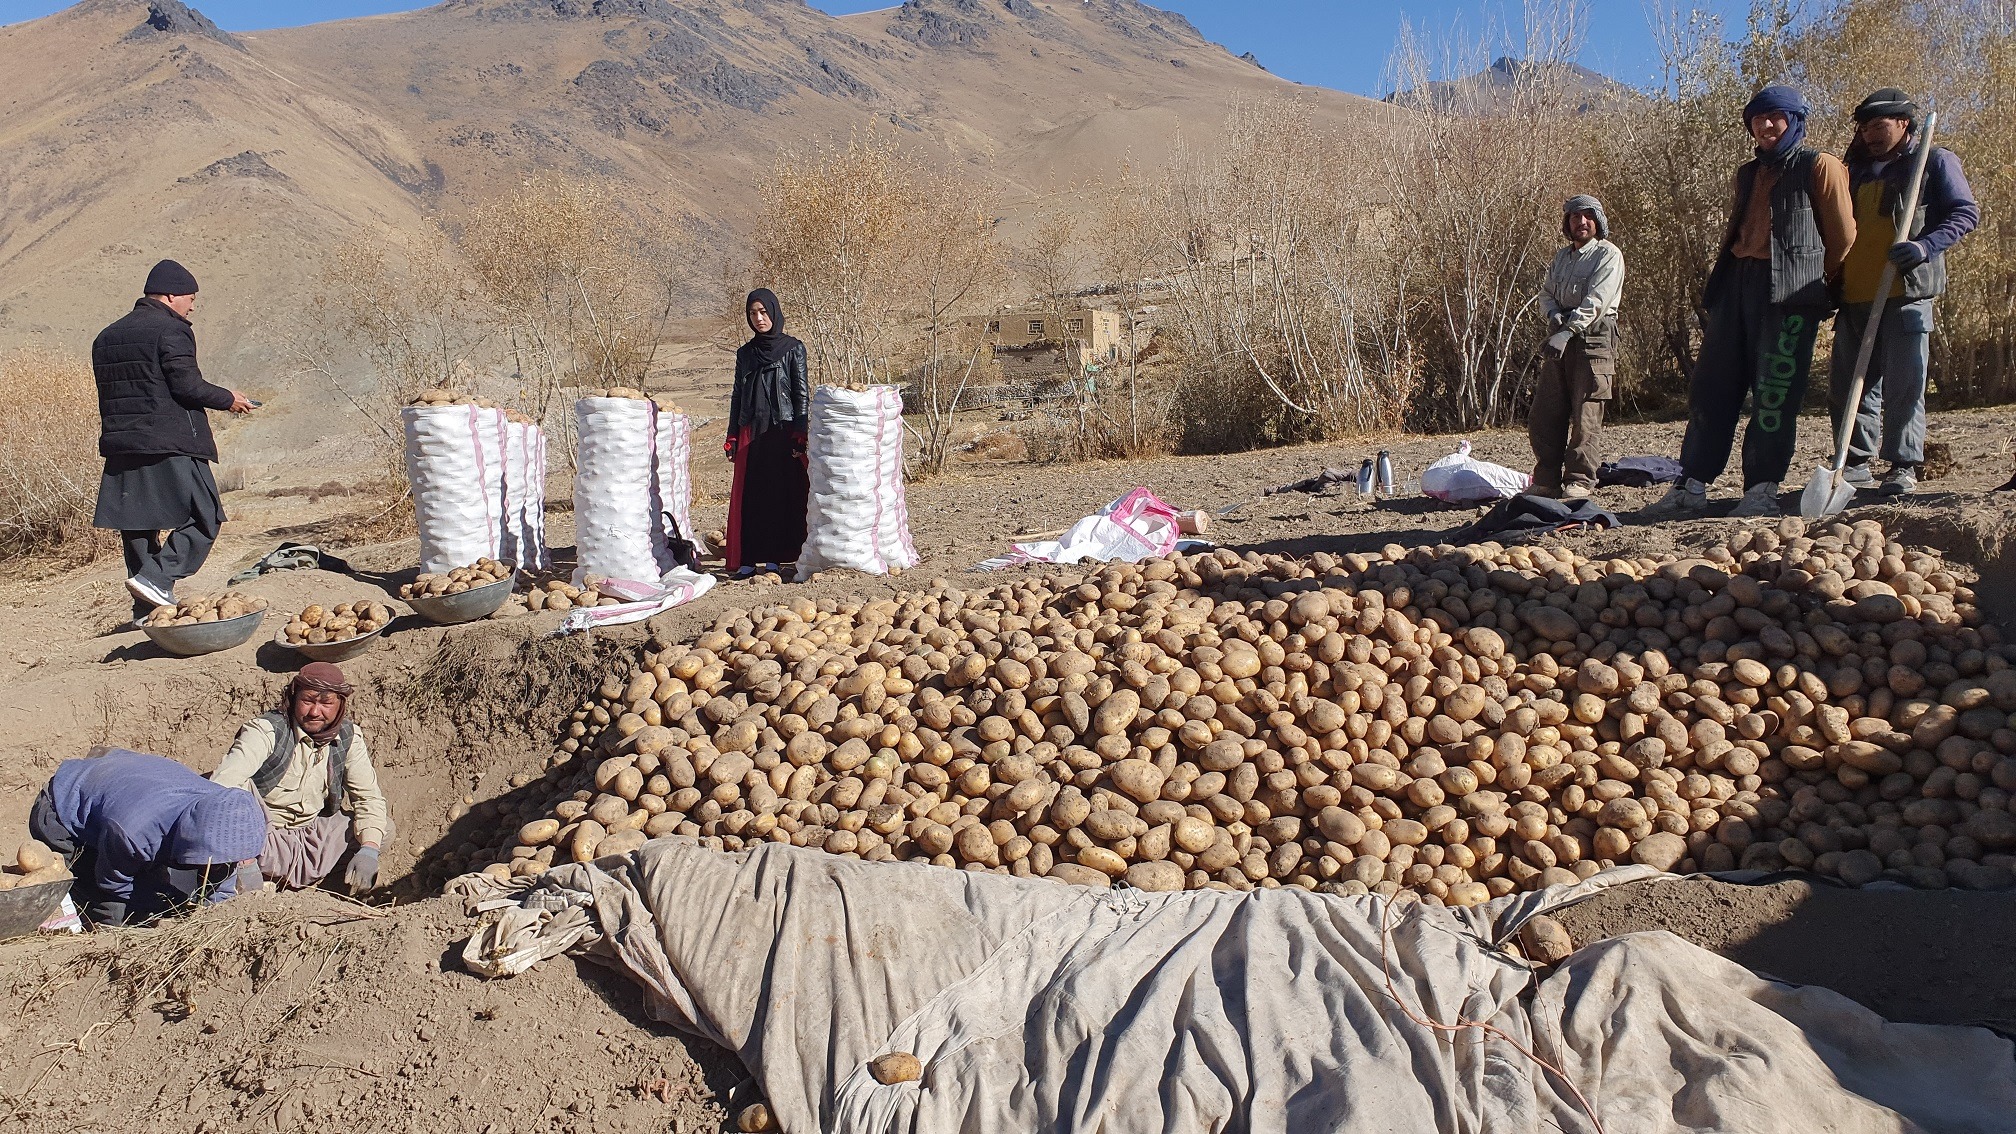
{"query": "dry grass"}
[(49, 465)]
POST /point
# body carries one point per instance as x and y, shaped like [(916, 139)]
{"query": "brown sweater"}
[(1833, 211)]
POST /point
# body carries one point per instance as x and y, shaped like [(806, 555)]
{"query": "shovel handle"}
[(1883, 284)]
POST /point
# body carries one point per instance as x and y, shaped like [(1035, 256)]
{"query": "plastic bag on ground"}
[(631, 467), (857, 515), (1460, 478), (450, 470), (1039, 1006), (676, 587), (1135, 527)]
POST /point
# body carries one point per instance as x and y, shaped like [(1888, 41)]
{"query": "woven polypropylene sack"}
[(538, 557), (619, 489), (675, 482), (857, 516), (454, 506)]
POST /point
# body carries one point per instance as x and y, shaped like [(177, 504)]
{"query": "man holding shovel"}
[(1788, 234), (1888, 132)]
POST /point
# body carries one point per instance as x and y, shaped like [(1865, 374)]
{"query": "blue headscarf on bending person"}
[(1793, 104)]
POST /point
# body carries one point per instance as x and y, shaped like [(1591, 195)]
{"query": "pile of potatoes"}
[(559, 594), (481, 573), (317, 625), (34, 864), (1456, 723), (442, 396), (211, 608)]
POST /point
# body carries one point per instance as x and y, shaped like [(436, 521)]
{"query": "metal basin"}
[(24, 908), (205, 637), (467, 606), (332, 651)]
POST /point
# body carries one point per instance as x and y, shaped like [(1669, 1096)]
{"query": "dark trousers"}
[(96, 905), (1566, 417), (163, 562), (1756, 348)]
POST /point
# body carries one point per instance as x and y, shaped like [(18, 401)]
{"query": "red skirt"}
[(766, 508)]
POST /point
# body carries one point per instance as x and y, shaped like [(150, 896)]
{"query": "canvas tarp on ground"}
[(1038, 1006)]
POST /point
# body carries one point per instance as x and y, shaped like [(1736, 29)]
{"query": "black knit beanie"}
[(1887, 103), (169, 278)]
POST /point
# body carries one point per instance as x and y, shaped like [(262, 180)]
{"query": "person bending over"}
[(145, 837)]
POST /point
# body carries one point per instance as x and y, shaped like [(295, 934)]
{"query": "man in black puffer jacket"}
[(155, 437)]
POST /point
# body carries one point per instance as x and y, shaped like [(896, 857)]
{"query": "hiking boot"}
[(1902, 481), (1577, 491), (1759, 500), (1858, 477), (1550, 491), (1687, 498)]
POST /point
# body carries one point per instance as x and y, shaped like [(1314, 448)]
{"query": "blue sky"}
[(1332, 43)]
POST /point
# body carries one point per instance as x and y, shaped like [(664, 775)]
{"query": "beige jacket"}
[(303, 789)]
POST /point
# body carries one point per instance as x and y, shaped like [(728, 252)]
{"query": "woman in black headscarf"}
[(766, 441)]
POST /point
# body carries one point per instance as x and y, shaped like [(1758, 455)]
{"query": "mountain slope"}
[(135, 129)]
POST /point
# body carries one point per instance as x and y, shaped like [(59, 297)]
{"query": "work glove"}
[(1557, 343), (1908, 254), (363, 872), (728, 446)]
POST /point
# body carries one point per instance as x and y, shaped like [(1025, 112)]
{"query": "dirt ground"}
[(311, 1011)]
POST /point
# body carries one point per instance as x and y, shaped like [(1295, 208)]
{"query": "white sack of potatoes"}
[(455, 506), (524, 541), (1038, 1006), (493, 439), (675, 482), (857, 515), (538, 556), (631, 467)]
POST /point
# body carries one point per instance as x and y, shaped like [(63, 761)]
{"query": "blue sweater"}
[(143, 816)]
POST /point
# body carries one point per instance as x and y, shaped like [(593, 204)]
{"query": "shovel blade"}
[(1825, 494)]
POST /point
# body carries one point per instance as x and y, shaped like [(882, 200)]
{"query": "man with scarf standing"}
[(154, 433), (310, 764), (1579, 299), (1788, 234), (1893, 391)]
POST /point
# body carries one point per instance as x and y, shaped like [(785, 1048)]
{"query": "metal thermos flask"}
[(1385, 472), (1365, 477)]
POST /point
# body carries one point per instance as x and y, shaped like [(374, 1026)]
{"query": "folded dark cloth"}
[(1639, 472), (1522, 514), (1321, 482)]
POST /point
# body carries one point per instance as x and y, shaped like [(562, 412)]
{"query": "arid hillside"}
[(135, 129)]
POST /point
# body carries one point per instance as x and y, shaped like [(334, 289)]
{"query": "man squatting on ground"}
[(1579, 360), (1788, 235), (155, 437), (145, 837), (1887, 132), (310, 764)]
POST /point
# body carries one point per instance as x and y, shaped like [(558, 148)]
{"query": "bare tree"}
[(1284, 285), (411, 313), (958, 263), (1132, 237), (1475, 179), (835, 241), (581, 288)]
